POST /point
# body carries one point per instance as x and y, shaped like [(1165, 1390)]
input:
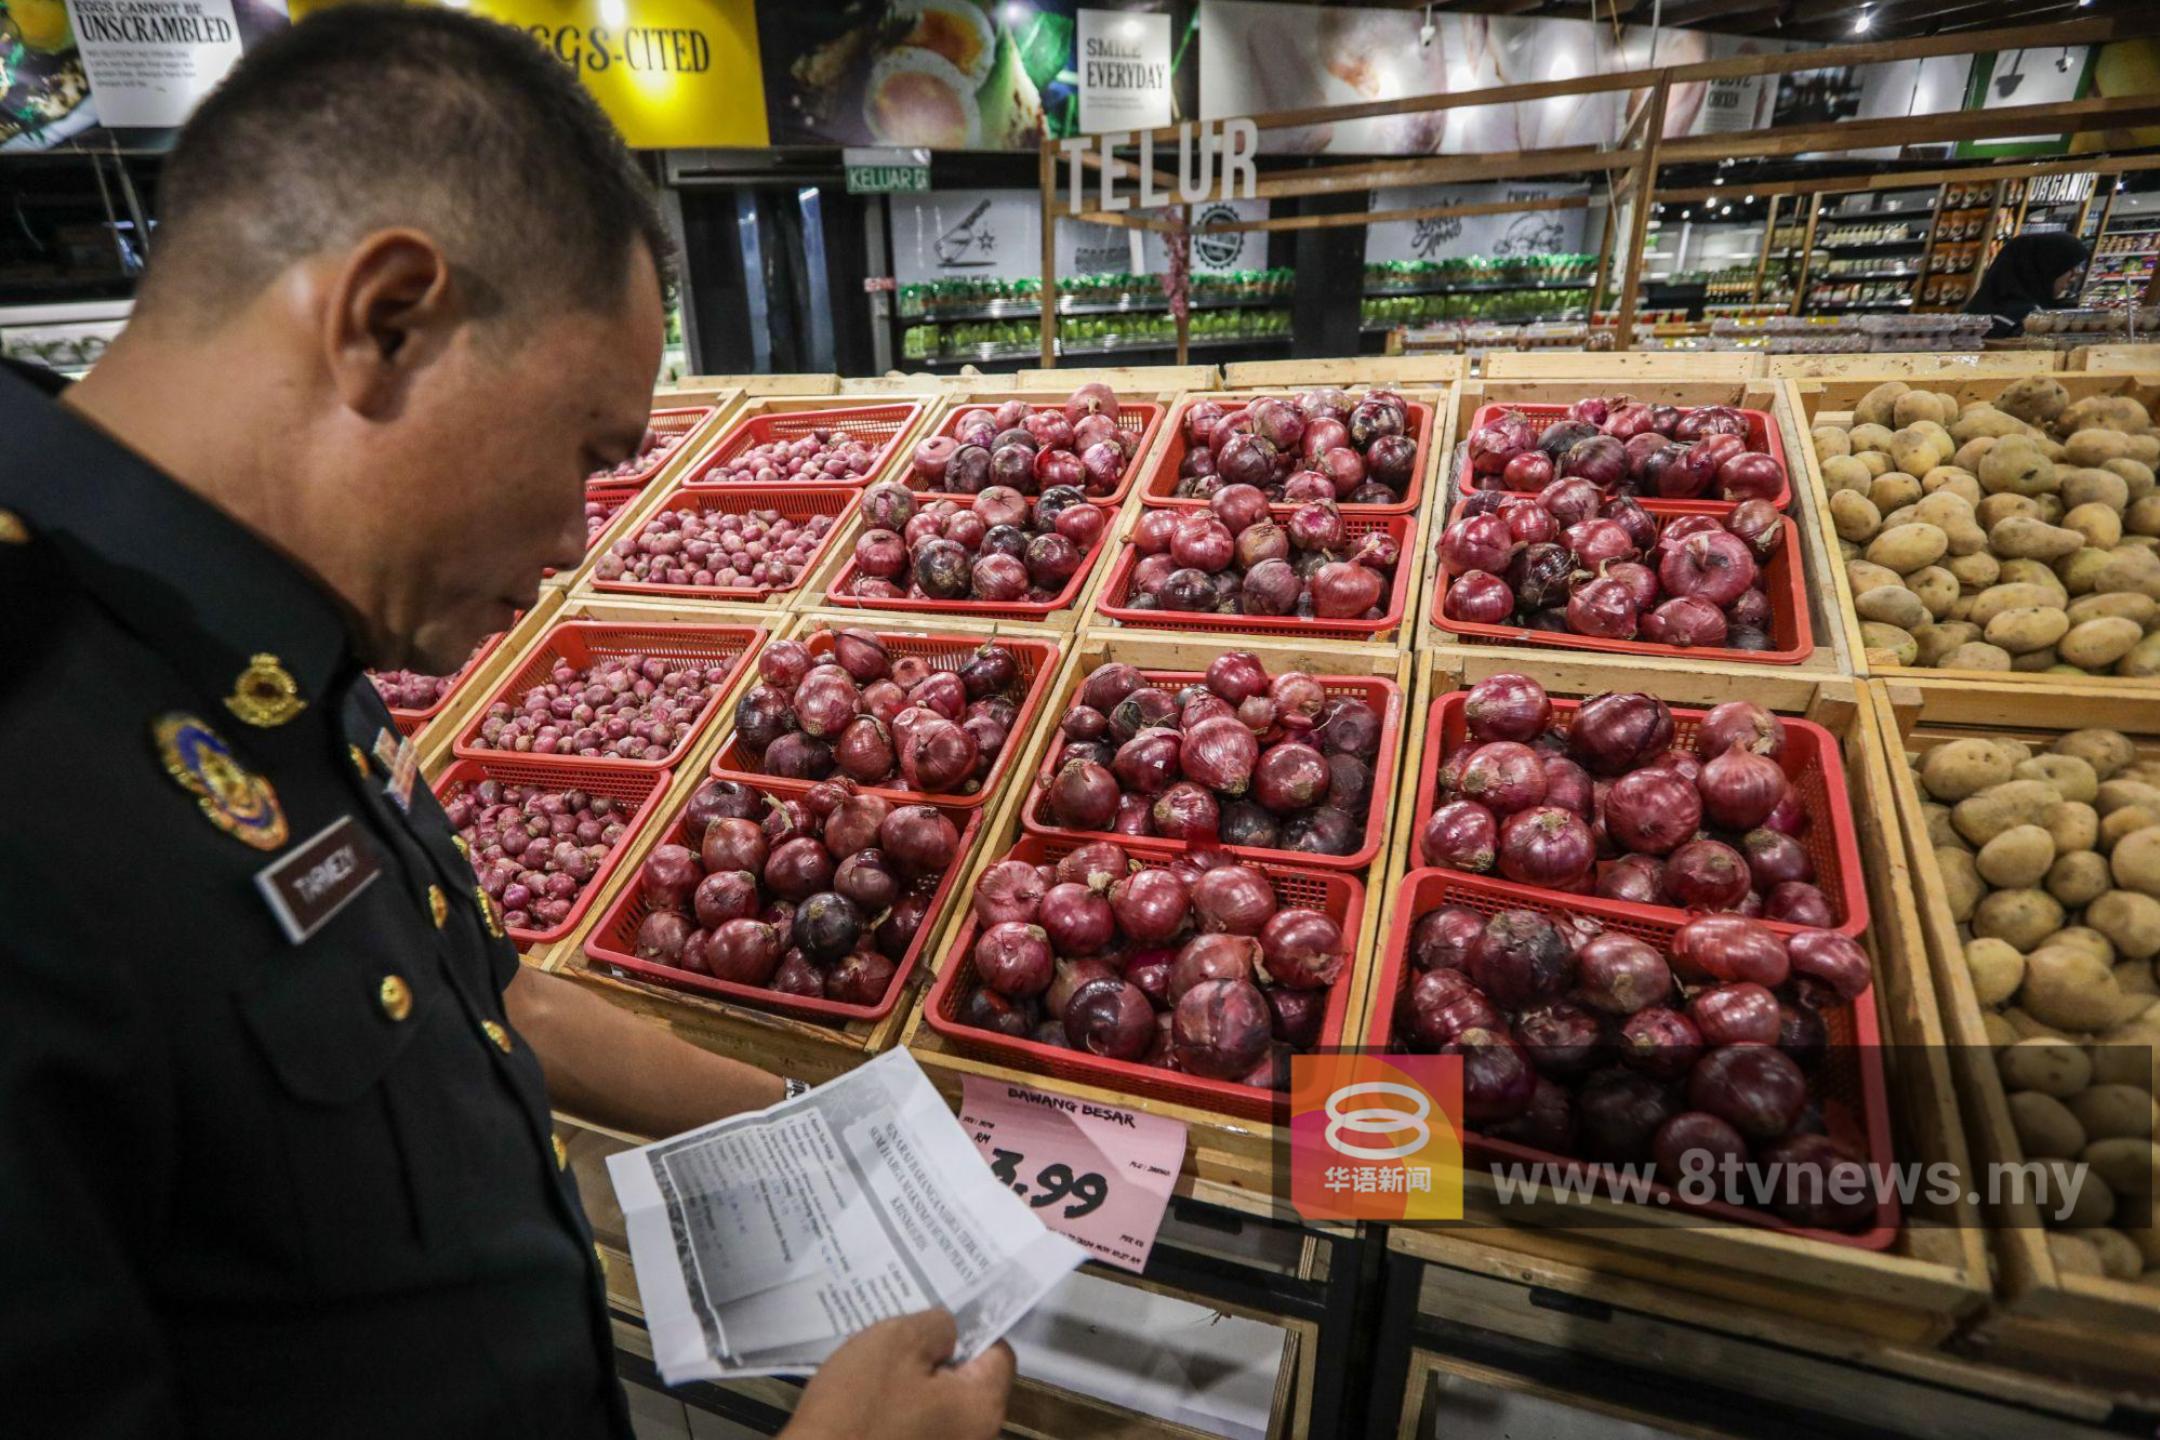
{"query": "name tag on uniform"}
[(309, 885)]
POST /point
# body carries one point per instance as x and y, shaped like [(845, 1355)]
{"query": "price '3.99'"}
[(1053, 1184)]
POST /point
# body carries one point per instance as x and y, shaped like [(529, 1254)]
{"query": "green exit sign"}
[(887, 171)]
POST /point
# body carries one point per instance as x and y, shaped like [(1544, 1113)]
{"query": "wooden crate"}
[(1229, 1161), (1615, 366), (1663, 1358), (977, 392), (1837, 633), (1830, 401), (1398, 371), (2105, 1330), (1915, 1292), (755, 405), (2143, 358), (791, 1046), (1930, 365), (753, 386), (1136, 378)]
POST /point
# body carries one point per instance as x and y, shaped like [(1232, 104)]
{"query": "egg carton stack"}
[(2066, 328), (1887, 333)]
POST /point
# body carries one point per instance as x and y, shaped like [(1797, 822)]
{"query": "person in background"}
[(276, 1145), (2031, 272)]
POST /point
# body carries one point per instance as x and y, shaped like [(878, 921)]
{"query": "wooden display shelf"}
[(1428, 372), (1624, 365), (1943, 365), (1935, 1274), (1229, 1161), (1139, 379), (1815, 402), (2143, 359), (2105, 1331), (801, 1048), (1836, 631)]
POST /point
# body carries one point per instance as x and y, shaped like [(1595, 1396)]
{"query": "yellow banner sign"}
[(672, 74)]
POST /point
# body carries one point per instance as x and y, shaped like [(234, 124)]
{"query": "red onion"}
[(1528, 471), (1835, 960), (1822, 1185), (1795, 902), (1598, 542), (1637, 879), (1233, 899), (1186, 812), (1600, 459), (1528, 522), (1506, 706), (1790, 817), (1461, 835), (660, 936), (1296, 1016), (1685, 622), (1571, 500), (1603, 608), (1476, 542), (1619, 1112), (1756, 1089), (919, 839), (1077, 919), (1219, 753), (1479, 599), (1520, 959), (1660, 1042), (1096, 865), (1750, 476), (1442, 938), (1344, 591), (1147, 764), (1740, 788), (1562, 1039), (1150, 906), (1110, 1017), (1546, 846), (1730, 948), (1439, 1005), (1212, 957), (1707, 875), (1775, 858), (1696, 1147), (745, 952), (1710, 565), (1652, 811), (1743, 1013), (1740, 724), (1504, 776), (1301, 949), (1291, 777), (1237, 675), (1620, 974), (1615, 732), (1220, 1029), (1498, 1080)]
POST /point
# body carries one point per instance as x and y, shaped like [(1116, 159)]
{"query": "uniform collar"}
[(173, 567)]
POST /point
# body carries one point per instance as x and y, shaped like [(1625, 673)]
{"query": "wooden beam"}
[(1604, 254), (1121, 219), (1807, 253), (1378, 217), (1646, 168), (1046, 175), (1762, 260), (2067, 116)]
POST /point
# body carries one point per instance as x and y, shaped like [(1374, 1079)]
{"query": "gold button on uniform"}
[(12, 529), (359, 760), (497, 1034), (395, 997), (438, 905), (562, 1155), (488, 912), (601, 1256), (464, 846)]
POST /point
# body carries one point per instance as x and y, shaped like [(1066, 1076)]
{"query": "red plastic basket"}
[(613, 941), (1811, 761), (1852, 1088), (1384, 696), (410, 722), (1341, 897), (1762, 435), (1037, 661), (883, 424), (980, 609), (1162, 478), (1110, 600), (790, 502), (639, 789), (1137, 418), (581, 642), (1791, 632), (663, 422)]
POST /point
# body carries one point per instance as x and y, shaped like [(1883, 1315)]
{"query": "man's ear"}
[(390, 308)]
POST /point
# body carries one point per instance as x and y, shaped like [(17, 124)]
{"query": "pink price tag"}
[(1099, 1175)]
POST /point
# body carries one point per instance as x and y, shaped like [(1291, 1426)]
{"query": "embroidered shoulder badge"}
[(265, 695), (239, 802)]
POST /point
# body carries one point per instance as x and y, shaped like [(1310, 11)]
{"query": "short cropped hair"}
[(369, 116)]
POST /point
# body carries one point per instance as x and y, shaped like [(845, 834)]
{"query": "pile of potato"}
[(2052, 863), (2018, 535)]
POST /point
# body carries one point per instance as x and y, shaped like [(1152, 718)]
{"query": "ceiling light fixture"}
[(1863, 22), (1428, 30)]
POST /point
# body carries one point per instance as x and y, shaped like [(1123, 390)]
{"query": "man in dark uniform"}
[(275, 1149)]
